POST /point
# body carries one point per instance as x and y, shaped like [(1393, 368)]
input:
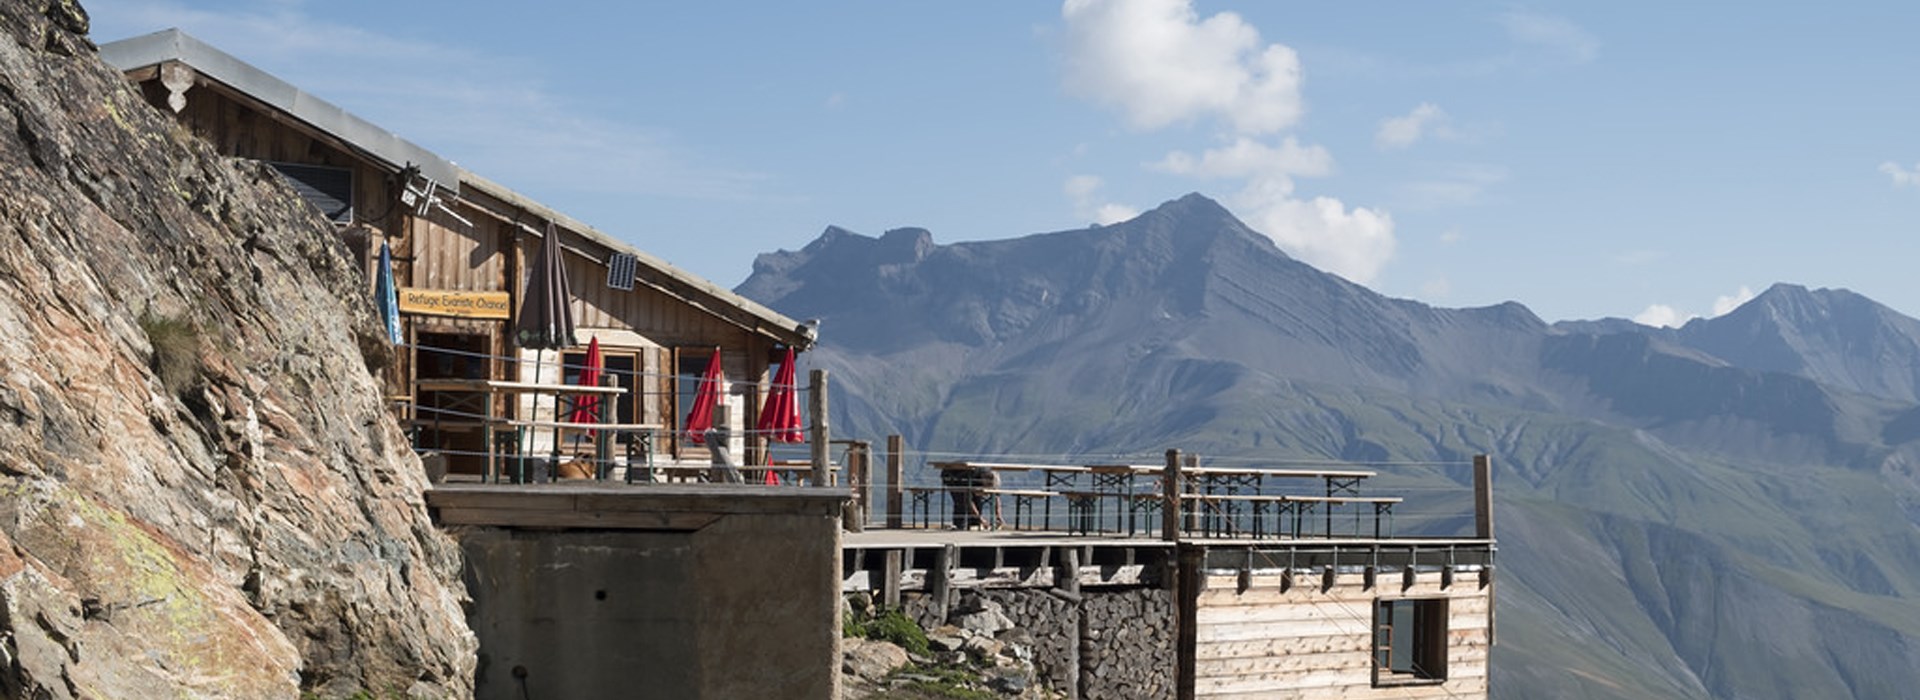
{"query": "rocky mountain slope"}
[(204, 497), (1727, 510)]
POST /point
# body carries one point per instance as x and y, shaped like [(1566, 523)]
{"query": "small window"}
[(328, 189), (1409, 641)]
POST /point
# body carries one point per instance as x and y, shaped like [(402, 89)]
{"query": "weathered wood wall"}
[(489, 253), (236, 127), (1306, 642)]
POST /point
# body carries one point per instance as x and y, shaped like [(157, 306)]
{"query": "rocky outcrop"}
[(204, 496)]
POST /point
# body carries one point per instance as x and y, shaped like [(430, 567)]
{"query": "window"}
[(689, 365), (1409, 641), (328, 189), (622, 366)]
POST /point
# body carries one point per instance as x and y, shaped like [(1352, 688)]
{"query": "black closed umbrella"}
[(546, 315)]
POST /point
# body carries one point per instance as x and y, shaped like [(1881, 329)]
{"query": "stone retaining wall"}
[(1127, 644), (1099, 643)]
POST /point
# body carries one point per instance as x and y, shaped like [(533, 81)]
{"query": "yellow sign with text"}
[(441, 302)]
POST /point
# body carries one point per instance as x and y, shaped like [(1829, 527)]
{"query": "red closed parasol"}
[(700, 418), (586, 407), (780, 419)]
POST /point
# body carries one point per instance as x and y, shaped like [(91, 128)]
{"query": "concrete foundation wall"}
[(734, 595)]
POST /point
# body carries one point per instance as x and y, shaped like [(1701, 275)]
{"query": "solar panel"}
[(620, 269)]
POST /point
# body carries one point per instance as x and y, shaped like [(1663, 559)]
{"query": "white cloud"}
[(1081, 186), (1722, 305), (1662, 316), (1557, 35), (1401, 132), (1437, 288), (1456, 185), (1902, 177), (1249, 158), (1452, 236), (1084, 190), (1111, 213), (1353, 243), (1162, 64), (1670, 317), (1322, 231)]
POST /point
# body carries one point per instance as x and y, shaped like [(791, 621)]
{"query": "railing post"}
[(1170, 498), (1483, 497), (817, 416), (1195, 517), (603, 439), (855, 516), (896, 481)]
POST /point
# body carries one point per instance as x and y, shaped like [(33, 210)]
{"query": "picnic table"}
[(1214, 498)]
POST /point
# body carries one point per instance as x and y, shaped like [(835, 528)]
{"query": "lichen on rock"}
[(253, 527)]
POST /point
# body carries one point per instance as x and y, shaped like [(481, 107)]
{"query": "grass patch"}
[(887, 626), (176, 350), (939, 681)]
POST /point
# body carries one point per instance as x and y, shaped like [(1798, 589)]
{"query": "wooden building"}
[(461, 246)]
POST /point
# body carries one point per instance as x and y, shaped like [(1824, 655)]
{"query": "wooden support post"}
[(1186, 623), (1067, 575), (1170, 498), (896, 482), (1483, 497), (817, 417), (863, 484), (890, 583), (939, 580), (854, 519)]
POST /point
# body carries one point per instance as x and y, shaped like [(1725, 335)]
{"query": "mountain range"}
[(1728, 509)]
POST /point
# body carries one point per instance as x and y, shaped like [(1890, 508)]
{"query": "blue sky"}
[(1649, 160)]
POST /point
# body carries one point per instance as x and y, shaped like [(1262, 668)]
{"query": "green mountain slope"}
[(1676, 519)]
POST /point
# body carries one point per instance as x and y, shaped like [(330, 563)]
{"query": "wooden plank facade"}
[(1294, 637), (476, 240)]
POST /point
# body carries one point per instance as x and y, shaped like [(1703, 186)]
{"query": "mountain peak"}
[(1194, 212), (1835, 336), (1793, 306)]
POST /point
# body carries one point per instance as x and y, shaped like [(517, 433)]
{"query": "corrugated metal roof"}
[(175, 45)]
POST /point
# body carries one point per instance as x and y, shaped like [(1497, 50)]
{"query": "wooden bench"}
[(920, 501), (1085, 510), (1220, 518), (1022, 503), (1382, 506)]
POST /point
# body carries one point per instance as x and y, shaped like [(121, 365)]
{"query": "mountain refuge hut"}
[(461, 249)]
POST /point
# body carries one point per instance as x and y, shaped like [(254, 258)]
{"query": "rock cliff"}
[(203, 495)]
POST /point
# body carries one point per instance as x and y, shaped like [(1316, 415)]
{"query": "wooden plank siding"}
[(1310, 643), (447, 255), (240, 127), (665, 312)]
